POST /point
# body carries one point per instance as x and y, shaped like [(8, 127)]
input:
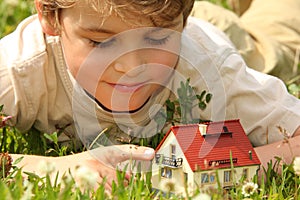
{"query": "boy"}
[(92, 65)]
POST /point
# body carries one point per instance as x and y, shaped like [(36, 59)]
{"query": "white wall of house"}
[(226, 177), (178, 174)]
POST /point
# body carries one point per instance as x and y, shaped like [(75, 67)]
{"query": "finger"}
[(112, 155), (108, 187), (135, 152), (128, 176), (112, 177), (106, 173)]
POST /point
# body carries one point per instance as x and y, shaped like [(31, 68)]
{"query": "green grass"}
[(276, 186), (12, 12)]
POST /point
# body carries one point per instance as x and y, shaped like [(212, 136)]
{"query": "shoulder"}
[(25, 44), (202, 38), (206, 33), (203, 45)]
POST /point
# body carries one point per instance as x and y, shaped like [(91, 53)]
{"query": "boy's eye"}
[(103, 44), (155, 41)]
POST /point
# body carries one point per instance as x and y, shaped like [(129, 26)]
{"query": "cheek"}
[(75, 54), (163, 64), (169, 59)]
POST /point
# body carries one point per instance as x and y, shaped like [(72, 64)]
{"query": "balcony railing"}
[(168, 161)]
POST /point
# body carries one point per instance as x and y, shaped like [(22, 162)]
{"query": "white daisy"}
[(249, 188), (168, 185), (27, 195), (45, 167), (297, 166), (86, 178), (202, 196)]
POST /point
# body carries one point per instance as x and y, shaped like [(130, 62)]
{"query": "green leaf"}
[(5, 192), (182, 86), (201, 96), (170, 105), (208, 97), (18, 160), (202, 105), (52, 137), (32, 175)]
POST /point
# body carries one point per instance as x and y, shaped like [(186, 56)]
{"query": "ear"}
[(45, 20)]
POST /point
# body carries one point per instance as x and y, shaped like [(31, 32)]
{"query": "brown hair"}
[(160, 12)]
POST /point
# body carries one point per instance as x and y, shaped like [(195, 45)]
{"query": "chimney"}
[(202, 129), (250, 154)]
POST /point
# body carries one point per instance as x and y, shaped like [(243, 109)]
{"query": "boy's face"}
[(120, 61)]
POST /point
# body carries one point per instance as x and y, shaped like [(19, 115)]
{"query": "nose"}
[(132, 64)]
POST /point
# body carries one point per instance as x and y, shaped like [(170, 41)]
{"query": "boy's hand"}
[(103, 160), (106, 160)]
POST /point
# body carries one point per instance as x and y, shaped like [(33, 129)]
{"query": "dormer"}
[(203, 128)]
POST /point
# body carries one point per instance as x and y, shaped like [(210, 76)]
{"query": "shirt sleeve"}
[(260, 101), (274, 26), (22, 84), (16, 92), (267, 34)]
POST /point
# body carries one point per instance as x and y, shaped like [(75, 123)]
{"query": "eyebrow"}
[(96, 30), (107, 31)]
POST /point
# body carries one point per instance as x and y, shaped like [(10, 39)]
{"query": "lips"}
[(126, 88)]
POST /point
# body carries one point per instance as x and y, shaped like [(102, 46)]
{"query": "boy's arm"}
[(297, 132), (285, 149)]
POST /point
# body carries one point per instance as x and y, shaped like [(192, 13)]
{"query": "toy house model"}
[(192, 155)]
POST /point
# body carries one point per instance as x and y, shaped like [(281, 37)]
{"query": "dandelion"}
[(86, 178), (297, 166), (168, 185), (27, 195), (45, 167), (249, 188), (67, 179), (202, 196)]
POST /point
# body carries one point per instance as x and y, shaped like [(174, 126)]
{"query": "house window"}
[(166, 172), (204, 178), (245, 173), (212, 177), (185, 177), (227, 176), (173, 152), (208, 177)]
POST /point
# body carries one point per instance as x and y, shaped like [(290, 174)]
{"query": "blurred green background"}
[(12, 12)]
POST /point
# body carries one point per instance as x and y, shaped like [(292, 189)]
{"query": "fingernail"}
[(148, 151)]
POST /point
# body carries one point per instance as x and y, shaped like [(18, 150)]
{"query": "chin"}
[(125, 105)]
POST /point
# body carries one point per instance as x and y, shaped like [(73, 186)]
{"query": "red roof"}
[(213, 150)]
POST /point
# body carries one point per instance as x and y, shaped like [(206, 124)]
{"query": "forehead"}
[(133, 12)]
